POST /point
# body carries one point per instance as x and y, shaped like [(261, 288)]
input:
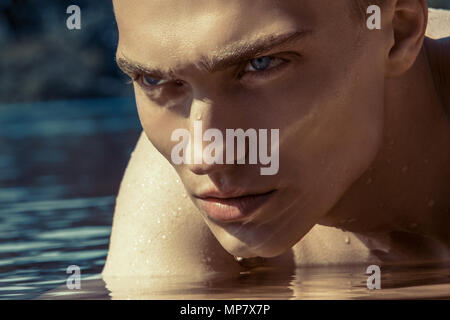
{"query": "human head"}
[(324, 90)]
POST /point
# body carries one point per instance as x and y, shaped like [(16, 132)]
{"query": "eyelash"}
[(241, 74), (263, 73), (139, 79)]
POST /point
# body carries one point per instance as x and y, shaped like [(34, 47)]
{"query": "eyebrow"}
[(230, 55)]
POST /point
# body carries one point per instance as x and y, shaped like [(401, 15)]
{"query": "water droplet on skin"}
[(149, 241), (159, 221), (431, 203), (347, 240), (163, 236)]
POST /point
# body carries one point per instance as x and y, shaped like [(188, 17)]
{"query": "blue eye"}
[(151, 81), (260, 64)]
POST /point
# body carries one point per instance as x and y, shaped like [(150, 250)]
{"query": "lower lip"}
[(232, 209)]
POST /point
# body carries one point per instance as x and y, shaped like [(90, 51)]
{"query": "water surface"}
[(60, 166)]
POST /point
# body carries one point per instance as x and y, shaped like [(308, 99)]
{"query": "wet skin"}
[(363, 116)]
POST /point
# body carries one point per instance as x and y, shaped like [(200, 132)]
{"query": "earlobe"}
[(409, 23)]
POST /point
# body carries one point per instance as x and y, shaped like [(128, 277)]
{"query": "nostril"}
[(197, 169), (202, 169)]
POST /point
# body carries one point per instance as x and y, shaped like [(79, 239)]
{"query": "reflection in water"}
[(398, 282), (60, 167)]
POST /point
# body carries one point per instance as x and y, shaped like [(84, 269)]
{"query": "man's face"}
[(315, 80)]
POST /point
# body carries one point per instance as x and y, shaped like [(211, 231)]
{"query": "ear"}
[(407, 22)]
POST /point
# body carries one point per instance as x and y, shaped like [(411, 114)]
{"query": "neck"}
[(407, 186)]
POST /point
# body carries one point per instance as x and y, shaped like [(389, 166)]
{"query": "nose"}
[(204, 169), (209, 121), (206, 145)]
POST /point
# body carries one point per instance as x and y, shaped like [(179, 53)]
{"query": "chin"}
[(243, 250), (239, 250), (247, 244), (269, 252)]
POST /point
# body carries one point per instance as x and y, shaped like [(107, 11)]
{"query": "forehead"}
[(175, 32)]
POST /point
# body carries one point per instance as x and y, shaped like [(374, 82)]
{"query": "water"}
[(398, 282), (60, 168)]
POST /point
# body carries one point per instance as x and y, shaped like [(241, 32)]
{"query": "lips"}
[(225, 208)]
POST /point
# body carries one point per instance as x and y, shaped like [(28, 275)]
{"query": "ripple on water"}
[(77, 233)]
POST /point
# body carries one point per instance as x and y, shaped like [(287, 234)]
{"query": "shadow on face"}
[(299, 67)]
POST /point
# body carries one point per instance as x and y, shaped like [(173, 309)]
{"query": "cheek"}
[(158, 122), (349, 128), (334, 130)]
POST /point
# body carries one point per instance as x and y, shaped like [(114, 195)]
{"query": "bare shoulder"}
[(439, 52), (325, 245), (156, 228), (438, 23)]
